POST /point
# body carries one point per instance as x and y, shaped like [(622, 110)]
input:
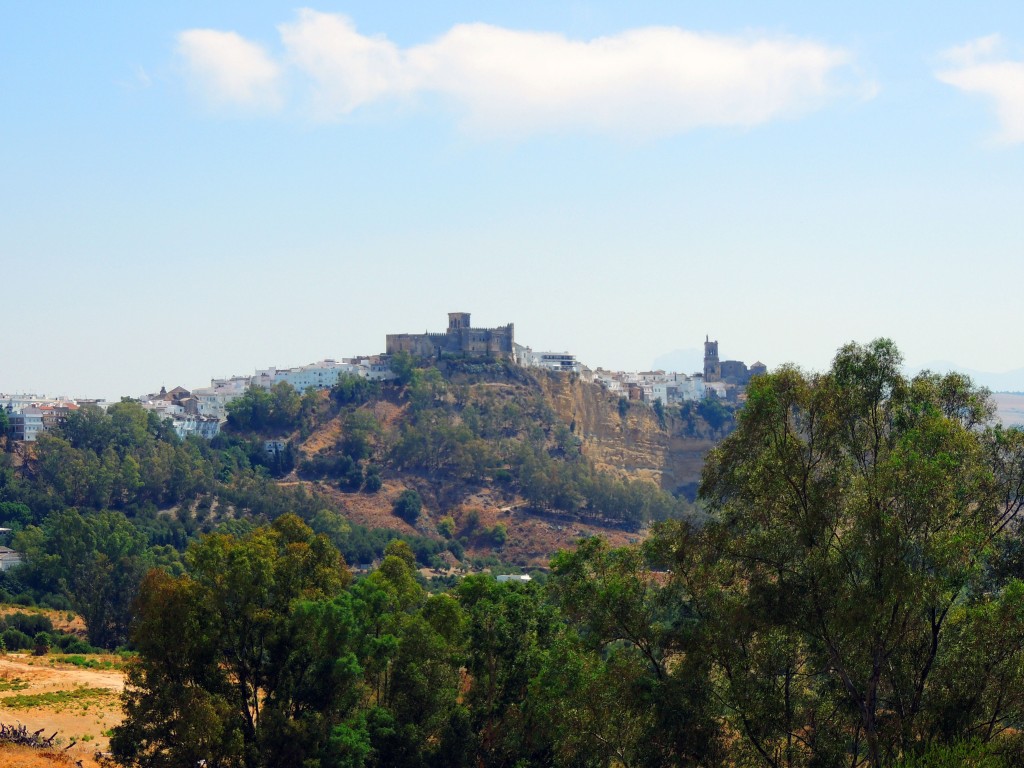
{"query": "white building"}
[(665, 391), (322, 375), (16, 403), (26, 425), (375, 370), (610, 380), (563, 362), (165, 409), (212, 403), (691, 389)]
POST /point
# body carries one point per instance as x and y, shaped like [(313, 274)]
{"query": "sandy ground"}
[(84, 721)]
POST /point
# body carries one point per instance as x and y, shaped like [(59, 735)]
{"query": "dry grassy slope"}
[(637, 446)]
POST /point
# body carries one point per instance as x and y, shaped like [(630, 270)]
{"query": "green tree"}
[(408, 505), (252, 412), (510, 627), (446, 526), (373, 481), (244, 660), (96, 560), (853, 516), (643, 694), (15, 513), (354, 390), (714, 413), (403, 365)]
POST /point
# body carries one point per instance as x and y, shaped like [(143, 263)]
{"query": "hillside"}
[(545, 457), (638, 445)]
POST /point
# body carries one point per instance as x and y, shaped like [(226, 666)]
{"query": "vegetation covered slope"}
[(508, 460), (853, 599), (480, 448)]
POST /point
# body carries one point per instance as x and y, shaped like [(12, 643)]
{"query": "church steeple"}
[(712, 366)]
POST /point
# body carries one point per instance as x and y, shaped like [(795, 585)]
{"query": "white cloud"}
[(228, 69), (348, 69), (976, 68), (656, 80), (650, 81), (973, 50)]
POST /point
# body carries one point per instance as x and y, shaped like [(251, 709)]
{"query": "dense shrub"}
[(29, 623), (16, 640), (408, 505)]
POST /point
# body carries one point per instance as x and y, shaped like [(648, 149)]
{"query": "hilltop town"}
[(202, 411)]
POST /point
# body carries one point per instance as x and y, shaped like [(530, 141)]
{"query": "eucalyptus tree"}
[(846, 567)]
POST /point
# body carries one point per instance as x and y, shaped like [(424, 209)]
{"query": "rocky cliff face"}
[(637, 444)]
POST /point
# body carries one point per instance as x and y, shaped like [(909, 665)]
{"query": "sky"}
[(192, 190)]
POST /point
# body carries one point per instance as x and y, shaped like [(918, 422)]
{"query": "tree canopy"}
[(856, 519)]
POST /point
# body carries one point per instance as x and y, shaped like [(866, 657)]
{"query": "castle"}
[(460, 339), (730, 371)]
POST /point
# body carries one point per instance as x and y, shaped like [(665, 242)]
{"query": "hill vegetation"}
[(852, 593), (112, 494)]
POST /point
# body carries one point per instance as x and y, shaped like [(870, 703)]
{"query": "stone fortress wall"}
[(460, 339)]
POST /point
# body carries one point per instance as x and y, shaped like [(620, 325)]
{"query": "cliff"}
[(636, 444)]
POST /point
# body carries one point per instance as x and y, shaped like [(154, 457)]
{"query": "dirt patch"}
[(82, 705)]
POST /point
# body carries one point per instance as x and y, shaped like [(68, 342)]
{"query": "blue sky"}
[(197, 189)]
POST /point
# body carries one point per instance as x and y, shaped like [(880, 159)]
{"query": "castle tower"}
[(457, 320), (712, 367)]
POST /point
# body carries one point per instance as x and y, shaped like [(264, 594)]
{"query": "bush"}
[(16, 640), (446, 526), (41, 644), (29, 623), (408, 506), (373, 482), (55, 601), (456, 549), (72, 644), (352, 479)]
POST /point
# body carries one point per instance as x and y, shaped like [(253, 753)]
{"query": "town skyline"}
[(688, 361), (193, 191)]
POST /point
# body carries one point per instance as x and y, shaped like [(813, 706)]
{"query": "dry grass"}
[(79, 702), (17, 756)]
